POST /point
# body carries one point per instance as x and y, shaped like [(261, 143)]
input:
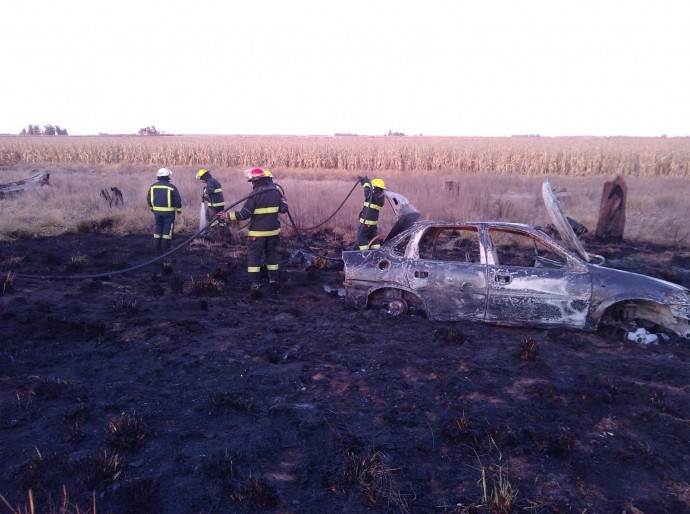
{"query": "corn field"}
[(571, 156)]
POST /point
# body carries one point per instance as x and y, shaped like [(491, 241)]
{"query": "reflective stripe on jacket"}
[(373, 201), (263, 209), (163, 197), (214, 191)]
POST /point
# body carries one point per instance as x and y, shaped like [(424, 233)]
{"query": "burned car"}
[(507, 274)]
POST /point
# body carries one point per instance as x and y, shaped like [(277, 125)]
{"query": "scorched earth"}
[(169, 389)]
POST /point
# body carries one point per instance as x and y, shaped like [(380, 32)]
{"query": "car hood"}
[(553, 207), (405, 213)]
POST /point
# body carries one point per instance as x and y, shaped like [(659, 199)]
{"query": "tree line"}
[(48, 130), (55, 130)]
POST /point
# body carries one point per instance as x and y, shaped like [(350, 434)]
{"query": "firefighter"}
[(262, 208), (212, 193), (369, 216), (164, 200)]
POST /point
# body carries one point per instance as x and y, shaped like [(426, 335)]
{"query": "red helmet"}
[(253, 174)]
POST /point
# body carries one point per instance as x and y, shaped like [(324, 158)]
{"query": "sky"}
[(320, 67)]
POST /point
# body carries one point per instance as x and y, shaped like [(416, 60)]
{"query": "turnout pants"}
[(164, 224), (364, 235), (262, 249)]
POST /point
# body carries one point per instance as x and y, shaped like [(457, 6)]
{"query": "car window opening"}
[(513, 248), (450, 244)]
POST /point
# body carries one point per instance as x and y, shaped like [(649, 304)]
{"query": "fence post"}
[(611, 222)]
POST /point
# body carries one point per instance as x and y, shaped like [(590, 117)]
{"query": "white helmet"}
[(163, 172)]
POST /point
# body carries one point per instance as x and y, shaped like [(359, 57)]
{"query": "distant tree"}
[(149, 131), (49, 130), (391, 133)]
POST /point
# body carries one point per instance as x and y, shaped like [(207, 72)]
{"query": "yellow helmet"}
[(377, 182), (201, 173), (268, 173)]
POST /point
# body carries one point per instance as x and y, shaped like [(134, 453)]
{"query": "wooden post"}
[(14, 188), (611, 222)]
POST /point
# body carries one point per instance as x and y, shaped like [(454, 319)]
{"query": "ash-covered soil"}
[(168, 389)]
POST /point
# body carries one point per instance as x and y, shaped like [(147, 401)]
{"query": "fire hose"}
[(188, 241), (141, 265)]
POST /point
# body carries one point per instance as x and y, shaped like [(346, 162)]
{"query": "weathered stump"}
[(113, 197), (611, 222), (452, 186), (15, 188)]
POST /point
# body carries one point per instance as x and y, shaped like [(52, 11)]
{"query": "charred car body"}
[(507, 274)]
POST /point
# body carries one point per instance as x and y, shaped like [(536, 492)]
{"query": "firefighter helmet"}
[(377, 182), (164, 172), (253, 174), (201, 173)]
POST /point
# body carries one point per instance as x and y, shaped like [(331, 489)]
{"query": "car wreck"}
[(507, 274)]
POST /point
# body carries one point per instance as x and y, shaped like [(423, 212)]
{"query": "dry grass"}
[(8, 282), (529, 349), (369, 471), (65, 506), (126, 432), (258, 493), (207, 286), (449, 179)]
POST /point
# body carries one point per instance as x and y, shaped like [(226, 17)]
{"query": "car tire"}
[(397, 307)]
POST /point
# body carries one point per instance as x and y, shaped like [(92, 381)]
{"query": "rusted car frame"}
[(507, 274)]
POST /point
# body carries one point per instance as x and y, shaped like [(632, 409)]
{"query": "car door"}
[(448, 275), (531, 282)]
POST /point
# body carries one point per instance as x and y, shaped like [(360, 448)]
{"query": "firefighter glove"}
[(363, 180)]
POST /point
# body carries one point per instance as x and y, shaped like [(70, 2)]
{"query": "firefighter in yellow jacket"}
[(164, 200), (262, 208), (374, 199), (212, 193)]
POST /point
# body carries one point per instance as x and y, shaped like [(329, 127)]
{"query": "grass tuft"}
[(64, 507), (8, 282), (222, 468), (125, 306), (126, 432), (76, 263), (529, 350), (207, 286), (100, 469), (370, 472)]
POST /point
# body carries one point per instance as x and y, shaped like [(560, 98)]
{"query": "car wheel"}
[(397, 307)]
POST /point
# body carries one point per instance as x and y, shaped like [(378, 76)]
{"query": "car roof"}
[(500, 224)]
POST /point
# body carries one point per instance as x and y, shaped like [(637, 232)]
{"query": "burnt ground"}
[(168, 390)]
